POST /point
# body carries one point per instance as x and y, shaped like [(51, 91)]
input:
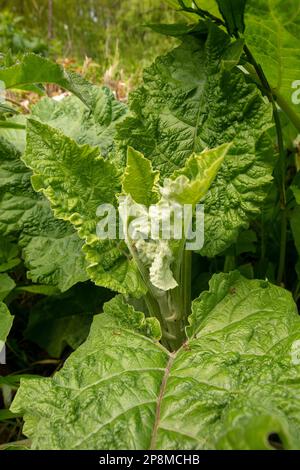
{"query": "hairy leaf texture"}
[(230, 386), (75, 120), (34, 69), (190, 102), (51, 248), (77, 180)]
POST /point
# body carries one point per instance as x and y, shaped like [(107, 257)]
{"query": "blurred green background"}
[(103, 39)]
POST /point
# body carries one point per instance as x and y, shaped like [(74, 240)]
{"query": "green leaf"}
[(16, 135), (126, 316), (6, 321), (273, 35), (39, 289), (232, 56), (191, 183), (72, 117), (53, 252), (189, 102), (233, 14), (34, 69), (64, 320), (77, 180), (139, 179), (7, 284), (233, 384), (51, 248), (11, 125), (9, 255)]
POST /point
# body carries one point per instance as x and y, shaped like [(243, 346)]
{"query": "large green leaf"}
[(73, 118), (273, 36), (17, 137), (189, 102), (6, 321), (77, 180), (34, 69), (51, 248), (232, 385), (139, 179)]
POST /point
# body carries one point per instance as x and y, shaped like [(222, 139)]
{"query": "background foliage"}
[(110, 33)]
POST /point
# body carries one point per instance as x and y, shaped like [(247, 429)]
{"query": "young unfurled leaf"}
[(159, 254), (75, 120), (191, 183), (230, 386), (139, 179), (126, 316)]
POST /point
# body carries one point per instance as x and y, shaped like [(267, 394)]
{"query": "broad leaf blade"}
[(139, 179), (34, 69), (233, 383), (73, 118), (199, 171)]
